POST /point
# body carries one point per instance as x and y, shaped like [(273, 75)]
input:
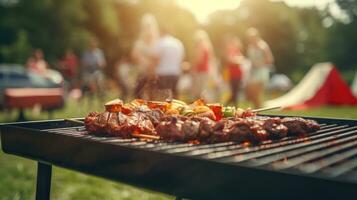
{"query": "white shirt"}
[(170, 52), (145, 50)]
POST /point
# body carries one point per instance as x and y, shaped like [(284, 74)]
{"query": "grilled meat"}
[(171, 128), (220, 133), (89, 122), (191, 128), (247, 130), (114, 125), (155, 116), (275, 128), (298, 125), (139, 122), (205, 128), (118, 124)]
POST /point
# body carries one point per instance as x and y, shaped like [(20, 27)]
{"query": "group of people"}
[(159, 59), (251, 70), (86, 73)]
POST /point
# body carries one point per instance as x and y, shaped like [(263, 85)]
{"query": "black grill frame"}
[(175, 174)]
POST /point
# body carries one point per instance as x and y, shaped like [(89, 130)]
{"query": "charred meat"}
[(181, 128)]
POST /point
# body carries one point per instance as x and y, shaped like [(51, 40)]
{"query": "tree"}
[(55, 25), (349, 6), (342, 43)]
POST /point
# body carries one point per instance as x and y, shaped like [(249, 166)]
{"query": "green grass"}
[(18, 175), (349, 112)]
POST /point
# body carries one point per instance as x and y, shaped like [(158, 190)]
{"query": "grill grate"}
[(322, 164), (330, 152)]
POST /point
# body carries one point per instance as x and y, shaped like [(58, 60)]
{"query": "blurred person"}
[(204, 68), (261, 59), (36, 63), (69, 66), (142, 55), (233, 58), (168, 57), (92, 65)]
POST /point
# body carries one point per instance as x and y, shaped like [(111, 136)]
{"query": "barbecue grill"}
[(321, 165)]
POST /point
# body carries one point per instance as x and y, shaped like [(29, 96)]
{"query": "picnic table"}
[(22, 98)]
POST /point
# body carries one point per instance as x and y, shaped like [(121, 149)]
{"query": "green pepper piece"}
[(229, 111)]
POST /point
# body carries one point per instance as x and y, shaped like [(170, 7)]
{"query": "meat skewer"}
[(144, 136), (266, 109), (154, 122)]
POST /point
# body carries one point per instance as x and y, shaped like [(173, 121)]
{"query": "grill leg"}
[(21, 117), (43, 187)]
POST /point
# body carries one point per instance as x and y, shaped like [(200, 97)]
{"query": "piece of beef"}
[(275, 128), (220, 133), (247, 130), (298, 126), (171, 130), (154, 116), (114, 125), (190, 129), (89, 122), (206, 128), (171, 117), (139, 122)]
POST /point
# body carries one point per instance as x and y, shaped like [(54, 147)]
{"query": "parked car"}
[(16, 76)]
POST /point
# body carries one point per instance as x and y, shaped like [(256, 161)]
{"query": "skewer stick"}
[(74, 121), (145, 136), (266, 109)]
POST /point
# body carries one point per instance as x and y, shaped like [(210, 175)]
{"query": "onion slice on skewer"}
[(114, 105)]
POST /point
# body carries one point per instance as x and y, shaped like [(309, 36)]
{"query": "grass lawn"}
[(17, 175)]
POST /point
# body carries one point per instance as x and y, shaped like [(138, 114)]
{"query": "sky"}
[(203, 8)]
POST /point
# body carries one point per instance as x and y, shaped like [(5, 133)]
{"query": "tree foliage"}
[(342, 44), (53, 25), (299, 37)]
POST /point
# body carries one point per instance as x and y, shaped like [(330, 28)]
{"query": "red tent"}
[(322, 85)]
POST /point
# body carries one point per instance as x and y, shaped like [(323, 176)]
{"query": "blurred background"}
[(47, 48)]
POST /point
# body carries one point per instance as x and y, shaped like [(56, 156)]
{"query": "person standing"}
[(203, 64), (93, 64), (142, 55), (261, 59), (36, 63), (168, 57), (69, 66), (233, 61)]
